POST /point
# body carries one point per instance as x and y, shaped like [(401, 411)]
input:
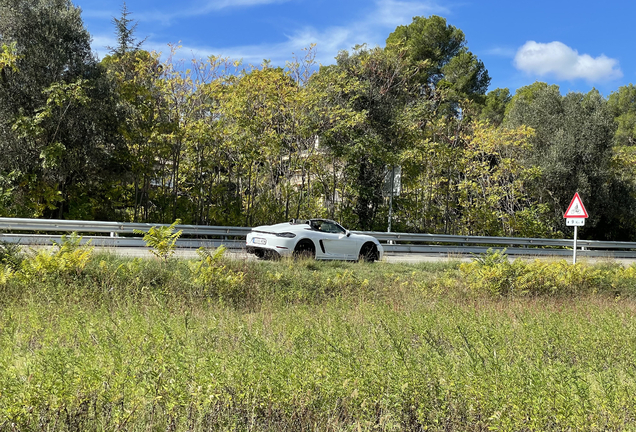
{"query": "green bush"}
[(67, 259), (495, 275)]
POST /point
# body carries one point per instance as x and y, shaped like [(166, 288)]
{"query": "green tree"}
[(493, 193), (573, 148), (271, 139), (623, 105), (379, 86), (125, 28), (493, 109), (8, 59), (194, 164), (464, 177), (136, 77), (58, 123), (442, 55)]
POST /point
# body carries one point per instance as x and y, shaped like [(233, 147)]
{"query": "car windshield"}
[(328, 227)]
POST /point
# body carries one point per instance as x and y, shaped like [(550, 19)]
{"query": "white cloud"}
[(391, 13), (181, 11), (501, 51), (371, 28), (207, 7), (563, 62), (204, 9)]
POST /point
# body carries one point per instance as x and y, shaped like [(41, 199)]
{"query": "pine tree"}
[(125, 29)]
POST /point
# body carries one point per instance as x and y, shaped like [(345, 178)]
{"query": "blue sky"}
[(577, 45)]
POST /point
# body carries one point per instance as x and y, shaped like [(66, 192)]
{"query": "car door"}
[(336, 243)]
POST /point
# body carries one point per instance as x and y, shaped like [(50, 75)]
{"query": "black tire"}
[(368, 253), (305, 249)]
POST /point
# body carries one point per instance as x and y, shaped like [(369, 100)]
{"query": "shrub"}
[(162, 239), (68, 258), (494, 275)]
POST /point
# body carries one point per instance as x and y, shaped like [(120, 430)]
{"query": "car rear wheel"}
[(264, 254), (305, 249), (368, 253)]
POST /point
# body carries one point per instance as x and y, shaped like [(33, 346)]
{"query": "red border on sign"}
[(584, 215)]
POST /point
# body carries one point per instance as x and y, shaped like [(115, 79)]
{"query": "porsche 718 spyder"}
[(321, 239)]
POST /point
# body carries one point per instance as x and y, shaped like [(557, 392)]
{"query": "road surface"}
[(390, 258)]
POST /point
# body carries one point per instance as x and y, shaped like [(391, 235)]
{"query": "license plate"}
[(258, 240)]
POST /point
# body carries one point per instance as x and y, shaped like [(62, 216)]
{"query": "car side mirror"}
[(348, 233)]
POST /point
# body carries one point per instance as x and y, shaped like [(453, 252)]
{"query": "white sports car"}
[(318, 238)]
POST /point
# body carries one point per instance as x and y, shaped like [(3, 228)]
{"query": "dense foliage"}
[(136, 138)]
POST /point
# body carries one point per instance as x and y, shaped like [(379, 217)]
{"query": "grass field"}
[(103, 343)]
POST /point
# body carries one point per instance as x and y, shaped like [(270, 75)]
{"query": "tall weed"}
[(11, 255), (536, 364), (220, 344), (212, 278)]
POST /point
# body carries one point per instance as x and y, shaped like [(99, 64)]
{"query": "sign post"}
[(575, 216), (392, 187)]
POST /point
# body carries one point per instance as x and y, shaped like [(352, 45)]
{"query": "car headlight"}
[(286, 235)]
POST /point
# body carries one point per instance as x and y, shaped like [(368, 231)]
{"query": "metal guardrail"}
[(204, 236), (499, 241), (461, 245), (113, 242), (232, 237), (16, 224)]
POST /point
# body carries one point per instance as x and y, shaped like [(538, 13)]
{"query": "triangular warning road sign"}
[(576, 208)]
